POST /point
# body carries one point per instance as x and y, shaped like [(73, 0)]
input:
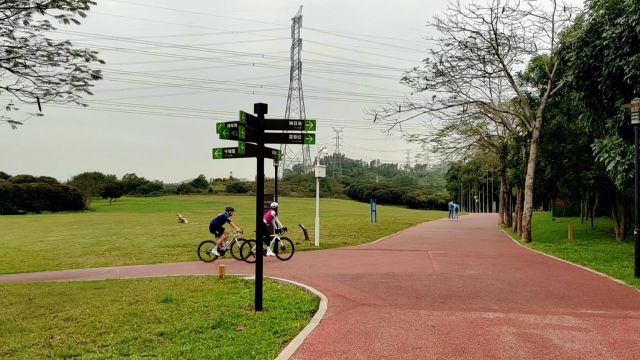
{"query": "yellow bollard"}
[(221, 271), (571, 232)]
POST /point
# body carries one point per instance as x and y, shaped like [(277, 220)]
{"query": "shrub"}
[(237, 187)]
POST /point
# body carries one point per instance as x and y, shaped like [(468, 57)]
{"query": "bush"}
[(22, 179), (237, 188), (37, 197)]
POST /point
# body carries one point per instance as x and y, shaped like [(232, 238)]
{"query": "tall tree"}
[(605, 64), (33, 66), (476, 62)]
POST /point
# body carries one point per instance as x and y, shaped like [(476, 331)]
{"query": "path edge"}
[(621, 282), (291, 348)]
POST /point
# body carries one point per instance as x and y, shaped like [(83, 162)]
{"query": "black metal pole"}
[(275, 187), (259, 109), (636, 228)]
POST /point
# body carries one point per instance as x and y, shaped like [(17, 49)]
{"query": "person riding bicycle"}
[(216, 227), (271, 225)]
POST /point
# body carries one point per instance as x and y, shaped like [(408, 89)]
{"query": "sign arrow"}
[(217, 153), (310, 125), (310, 139)]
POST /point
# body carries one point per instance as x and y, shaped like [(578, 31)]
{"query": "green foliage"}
[(132, 184), (4, 175), (617, 156), (200, 182), (40, 66), (112, 190), (22, 179), (90, 184), (26, 197), (237, 187)]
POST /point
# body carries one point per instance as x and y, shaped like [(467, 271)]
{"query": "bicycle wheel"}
[(248, 251), (236, 248), (284, 249), (204, 251)]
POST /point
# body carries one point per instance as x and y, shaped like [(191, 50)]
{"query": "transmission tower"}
[(337, 157), (296, 154), (408, 154)]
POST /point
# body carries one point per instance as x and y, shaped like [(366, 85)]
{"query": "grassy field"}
[(144, 230), (594, 248), (164, 318)]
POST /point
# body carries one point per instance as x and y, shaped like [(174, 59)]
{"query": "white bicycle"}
[(281, 246), (205, 249)]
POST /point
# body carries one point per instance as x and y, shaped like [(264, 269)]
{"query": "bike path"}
[(441, 290)]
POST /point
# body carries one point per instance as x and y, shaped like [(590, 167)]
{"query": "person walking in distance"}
[(450, 204)]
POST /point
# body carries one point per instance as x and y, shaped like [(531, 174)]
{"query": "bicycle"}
[(206, 247), (283, 250)]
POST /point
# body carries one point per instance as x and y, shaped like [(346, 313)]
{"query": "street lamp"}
[(635, 121), (320, 172)]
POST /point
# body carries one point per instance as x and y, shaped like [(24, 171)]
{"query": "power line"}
[(254, 21), (227, 52)]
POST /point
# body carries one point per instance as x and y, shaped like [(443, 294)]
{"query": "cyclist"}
[(216, 227), (271, 225)]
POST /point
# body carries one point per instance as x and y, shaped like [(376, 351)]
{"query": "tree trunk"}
[(501, 199), (619, 216), (509, 206), (520, 210), (594, 209), (516, 211), (528, 181)]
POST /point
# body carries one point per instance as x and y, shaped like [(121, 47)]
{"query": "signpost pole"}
[(275, 187), (260, 109)]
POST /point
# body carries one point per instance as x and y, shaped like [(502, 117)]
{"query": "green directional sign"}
[(245, 150), (227, 153), (248, 119), (231, 125), (290, 138), (241, 133), (277, 124), (291, 125)]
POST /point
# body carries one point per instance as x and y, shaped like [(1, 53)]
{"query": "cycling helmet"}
[(274, 205), (229, 209)]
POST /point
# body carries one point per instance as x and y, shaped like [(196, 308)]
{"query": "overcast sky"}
[(174, 69)]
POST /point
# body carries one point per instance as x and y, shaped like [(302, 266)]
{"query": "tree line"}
[(533, 92)]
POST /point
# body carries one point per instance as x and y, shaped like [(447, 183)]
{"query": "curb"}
[(621, 282), (291, 348)]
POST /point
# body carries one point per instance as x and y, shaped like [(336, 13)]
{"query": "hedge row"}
[(36, 197), (414, 198)]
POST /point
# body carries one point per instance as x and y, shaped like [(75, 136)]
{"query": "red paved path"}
[(443, 290)]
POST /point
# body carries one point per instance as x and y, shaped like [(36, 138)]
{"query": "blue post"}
[(374, 210)]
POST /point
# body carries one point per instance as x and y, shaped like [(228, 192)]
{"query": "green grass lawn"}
[(145, 231), (594, 248), (164, 318)]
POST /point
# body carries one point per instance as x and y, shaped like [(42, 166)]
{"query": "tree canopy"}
[(37, 68)]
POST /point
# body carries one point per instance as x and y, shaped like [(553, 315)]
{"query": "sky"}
[(174, 69)]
